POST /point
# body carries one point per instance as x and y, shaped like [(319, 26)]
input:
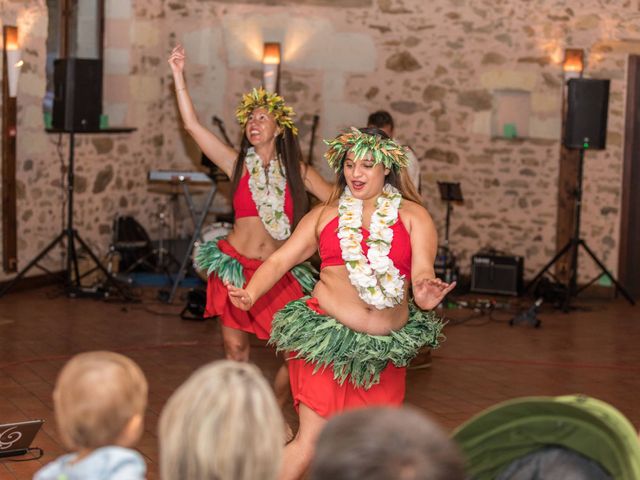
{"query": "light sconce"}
[(13, 59), (271, 67), (573, 63), (10, 69)]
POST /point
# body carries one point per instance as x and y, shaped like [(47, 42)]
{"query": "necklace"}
[(375, 277), (267, 191)]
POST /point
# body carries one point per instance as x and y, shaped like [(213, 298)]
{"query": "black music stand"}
[(73, 284), (449, 192), (445, 260)]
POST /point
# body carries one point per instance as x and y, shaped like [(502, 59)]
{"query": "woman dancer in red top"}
[(350, 342), (268, 178)]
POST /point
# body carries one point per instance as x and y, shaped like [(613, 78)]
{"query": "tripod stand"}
[(572, 246), (445, 263), (73, 278)]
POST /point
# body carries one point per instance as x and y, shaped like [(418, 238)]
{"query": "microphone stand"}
[(220, 124), (528, 317), (314, 126)]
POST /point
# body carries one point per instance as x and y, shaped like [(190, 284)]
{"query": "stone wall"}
[(437, 66), (111, 169)]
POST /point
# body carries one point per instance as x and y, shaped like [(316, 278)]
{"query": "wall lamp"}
[(271, 67), (11, 64), (573, 63), (13, 58)]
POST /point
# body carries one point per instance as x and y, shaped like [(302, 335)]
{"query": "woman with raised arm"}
[(349, 342), (269, 180)]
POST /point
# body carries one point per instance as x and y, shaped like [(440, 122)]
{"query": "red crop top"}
[(400, 253), (244, 206)]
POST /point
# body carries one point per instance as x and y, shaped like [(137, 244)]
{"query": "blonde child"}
[(99, 401)]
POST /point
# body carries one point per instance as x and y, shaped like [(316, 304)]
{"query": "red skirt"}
[(258, 319), (325, 396)]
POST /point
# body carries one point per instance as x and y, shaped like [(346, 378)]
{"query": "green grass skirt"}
[(211, 259), (352, 355)]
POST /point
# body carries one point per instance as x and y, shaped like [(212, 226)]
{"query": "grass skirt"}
[(230, 269), (309, 334), (224, 264)]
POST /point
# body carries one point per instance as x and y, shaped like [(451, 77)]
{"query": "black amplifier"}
[(497, 274)]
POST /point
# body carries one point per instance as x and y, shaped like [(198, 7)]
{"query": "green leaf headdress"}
[(382, 150), (272, 102)]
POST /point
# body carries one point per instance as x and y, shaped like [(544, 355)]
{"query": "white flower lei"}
[(267, 192), (375, 277)]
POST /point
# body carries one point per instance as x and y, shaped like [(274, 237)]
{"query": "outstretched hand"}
[(239, 297), (176, 59), (428, 293)]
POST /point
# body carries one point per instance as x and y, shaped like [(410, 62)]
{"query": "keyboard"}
[(178, 176)]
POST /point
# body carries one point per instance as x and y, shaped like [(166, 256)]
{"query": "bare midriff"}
[(251, 239), (340, 300)]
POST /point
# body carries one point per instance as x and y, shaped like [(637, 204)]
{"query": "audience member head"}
[(382, 120), (385, 444), (99, 400), (223, 423)]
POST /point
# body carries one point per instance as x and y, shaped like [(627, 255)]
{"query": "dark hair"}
[(288, 150), (385, 444), (394, 177), (380, 119)]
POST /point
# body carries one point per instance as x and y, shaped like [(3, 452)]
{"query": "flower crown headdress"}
[(272, 102), (382, 150)]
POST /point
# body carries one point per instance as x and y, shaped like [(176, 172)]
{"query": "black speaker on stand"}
[(77, 101), (588, 102), (586, 128), (77, 107)]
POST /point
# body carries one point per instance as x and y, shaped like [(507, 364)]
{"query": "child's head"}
[(223, 423), (99, 400)]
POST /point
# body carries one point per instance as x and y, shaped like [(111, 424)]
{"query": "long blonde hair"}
[(223, 423)]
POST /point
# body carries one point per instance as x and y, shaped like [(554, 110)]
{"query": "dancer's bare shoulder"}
[(323, 214), (413, 214)]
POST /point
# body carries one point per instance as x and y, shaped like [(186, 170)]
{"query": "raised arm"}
[(213, 147), (316, 184), (428, 291), (298, 248)]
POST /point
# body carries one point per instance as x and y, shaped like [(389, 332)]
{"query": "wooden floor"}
[(593, 350)]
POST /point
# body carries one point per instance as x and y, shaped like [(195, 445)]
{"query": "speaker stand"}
[(73, 285), (572, 246)]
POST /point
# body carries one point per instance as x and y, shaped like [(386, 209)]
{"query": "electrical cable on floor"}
[(29, 450), (497, 320), (481, 308), (467, 320)]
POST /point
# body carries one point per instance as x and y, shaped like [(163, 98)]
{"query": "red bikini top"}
[(244, 206), (400, 253)]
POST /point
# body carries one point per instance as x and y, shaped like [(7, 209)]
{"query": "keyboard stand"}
[(198, 221)]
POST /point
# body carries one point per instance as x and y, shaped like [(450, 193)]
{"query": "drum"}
[(209, 233)]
